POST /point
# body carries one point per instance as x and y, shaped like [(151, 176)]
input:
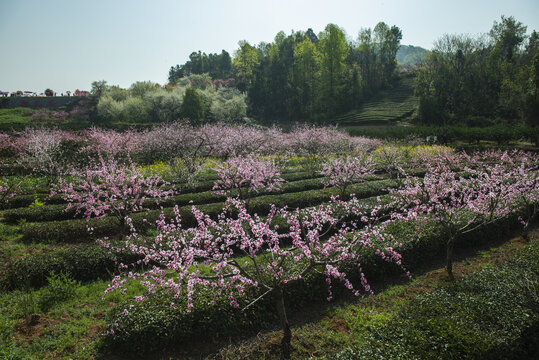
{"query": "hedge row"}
[(449, 134), (490, 315), (33, 270), (85, 263), (154, 324), (58, 212), (76, 230)]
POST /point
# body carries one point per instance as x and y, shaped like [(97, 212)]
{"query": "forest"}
[(481, 80)]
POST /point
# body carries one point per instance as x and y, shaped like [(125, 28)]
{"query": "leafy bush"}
[(192, 106), (135, 110), (491, 315), (60, 288), (83, 263), (109, 110), (164, 106)]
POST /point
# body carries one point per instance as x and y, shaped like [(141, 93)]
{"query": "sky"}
[(68, 44)]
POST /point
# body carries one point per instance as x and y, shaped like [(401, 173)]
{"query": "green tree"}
[(192, 107), (508, 35), (141, 88), (99, 88), (305, 80), (366, 55), (333, 52), (245, 61), (387, 42)]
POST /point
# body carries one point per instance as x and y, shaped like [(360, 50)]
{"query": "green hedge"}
[(83, 263), (76, 230), (56, 211), (448, 134), (490, 315), (23, 201), (154, 324)]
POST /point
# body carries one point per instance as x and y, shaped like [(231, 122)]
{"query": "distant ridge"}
[(410, 55)]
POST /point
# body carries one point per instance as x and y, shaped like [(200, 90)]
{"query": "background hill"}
[(410, 55)]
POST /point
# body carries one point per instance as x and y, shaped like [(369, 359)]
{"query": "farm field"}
[(138, 243), (384, 108)]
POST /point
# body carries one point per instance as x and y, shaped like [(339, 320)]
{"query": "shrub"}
[(84, 263), (60, 288), (490, 315), (192, 107), (134, 110), (109, 110)]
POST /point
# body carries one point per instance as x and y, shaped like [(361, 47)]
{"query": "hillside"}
[(410, 55), (385, 107)]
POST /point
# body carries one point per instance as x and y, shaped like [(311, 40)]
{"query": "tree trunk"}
[(286, 347), (449, 257)]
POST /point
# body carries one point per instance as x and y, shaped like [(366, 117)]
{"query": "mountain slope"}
[(385, 107)]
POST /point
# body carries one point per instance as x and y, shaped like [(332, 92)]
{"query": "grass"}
[(16, 116), (70, 328)]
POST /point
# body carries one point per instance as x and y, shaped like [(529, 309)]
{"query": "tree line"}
[(304, 76), (481, 80)]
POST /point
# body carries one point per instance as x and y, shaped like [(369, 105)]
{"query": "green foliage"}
[(83, 263), (465, 76), (333, 52), (36, 203), (60, 288), (192, 107), (232, 110), (490, 315), (218, 66), (135, 110), (245, 60), (164, 106), (109, 110), (141, 88)]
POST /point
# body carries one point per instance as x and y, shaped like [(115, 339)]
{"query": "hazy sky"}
[(67, 44)]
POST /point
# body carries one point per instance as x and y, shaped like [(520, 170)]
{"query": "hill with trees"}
[(411, 55), (303, 76)]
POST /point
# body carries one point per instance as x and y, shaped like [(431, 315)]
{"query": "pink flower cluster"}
[(110, 188), (247, 175), (169, 141), (498, 184), (341, 172), (110, 143), (316, 240)]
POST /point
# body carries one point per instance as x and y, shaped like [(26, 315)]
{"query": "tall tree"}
[(192, 107), (245, 61), (305, 80), (508, 35), (367, 60), (333, 52), (387, 42)]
